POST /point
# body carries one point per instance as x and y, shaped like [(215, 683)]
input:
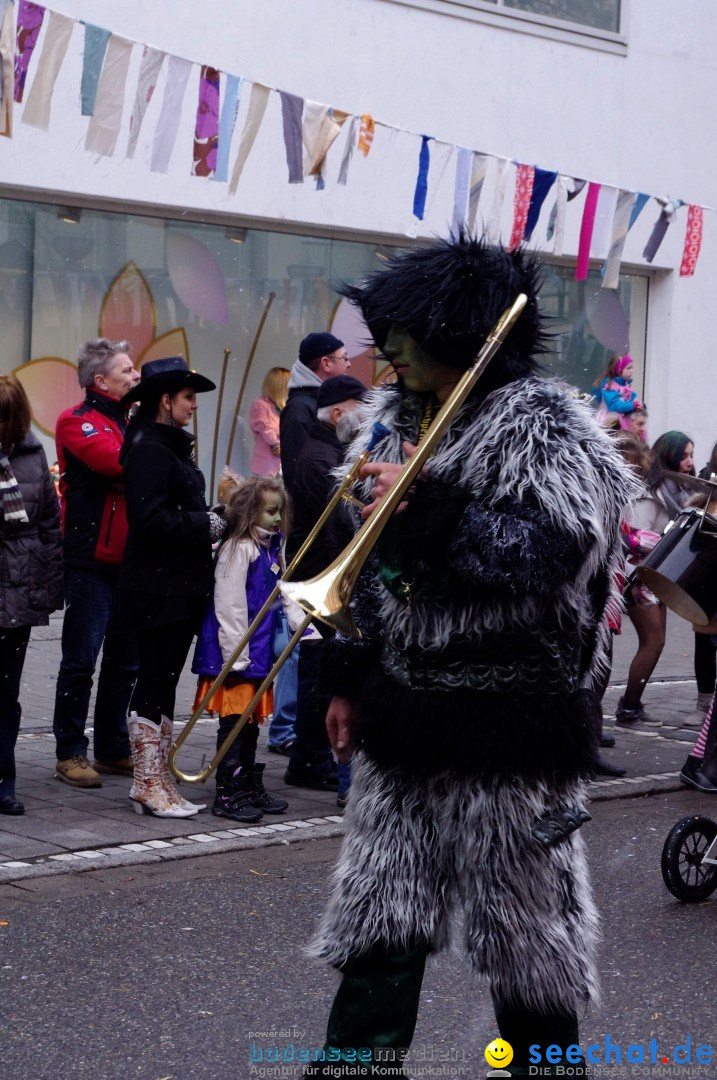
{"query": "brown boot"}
[(77, 772)]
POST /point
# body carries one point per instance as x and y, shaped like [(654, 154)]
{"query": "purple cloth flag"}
[(29, 24), (667, 216), (206, 131), (543, 180), (292, 108)]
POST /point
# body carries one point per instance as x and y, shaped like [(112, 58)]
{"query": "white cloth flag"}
[(461, 188), (165, 134), (561, 206), (501, 185), (620, 225), (348, 150), (258, 100), (604, 216), (479, 168), (54, 48), (105, 122), (146, 82)]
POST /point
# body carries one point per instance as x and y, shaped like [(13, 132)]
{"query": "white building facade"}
[(616, 92)]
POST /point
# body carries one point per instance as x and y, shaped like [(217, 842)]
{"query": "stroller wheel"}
[(685, 847)]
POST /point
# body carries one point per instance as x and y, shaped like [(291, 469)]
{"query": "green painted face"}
[(419, 371), (270, 513)]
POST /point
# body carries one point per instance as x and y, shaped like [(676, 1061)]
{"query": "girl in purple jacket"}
[(247, 567)]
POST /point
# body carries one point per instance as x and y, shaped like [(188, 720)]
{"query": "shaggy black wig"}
[(448, 296)]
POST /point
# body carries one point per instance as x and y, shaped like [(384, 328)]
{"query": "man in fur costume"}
[(465, 697)]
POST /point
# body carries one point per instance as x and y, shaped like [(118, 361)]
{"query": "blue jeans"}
[(89, 598), (13, 646), (286, 687)]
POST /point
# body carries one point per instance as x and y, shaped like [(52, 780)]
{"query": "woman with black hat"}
[(166, 575)]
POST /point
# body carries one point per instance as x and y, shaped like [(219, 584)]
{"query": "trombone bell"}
[(321, 598)]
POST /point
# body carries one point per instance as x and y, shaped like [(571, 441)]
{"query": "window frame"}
[(525, 22)]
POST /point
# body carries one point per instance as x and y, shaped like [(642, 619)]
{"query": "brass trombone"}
[(342, 492), (327, 596)]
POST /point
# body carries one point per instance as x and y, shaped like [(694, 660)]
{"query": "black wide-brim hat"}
[(166, 376)]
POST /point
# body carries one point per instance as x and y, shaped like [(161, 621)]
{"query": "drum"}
[(682, 569)]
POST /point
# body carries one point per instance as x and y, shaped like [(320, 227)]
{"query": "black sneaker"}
[(634, 719), (693, 776), (281, 748), (320, 777)]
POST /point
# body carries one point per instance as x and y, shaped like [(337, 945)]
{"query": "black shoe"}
[(604, 768), (261, 798), (607, 741), (342, 800), (10, 805), (282, 748), (321, 777), (233, 801), (693, 776)]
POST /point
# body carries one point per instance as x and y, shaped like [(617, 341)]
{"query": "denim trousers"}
[(89, 597), (13, 646), (286, 688)]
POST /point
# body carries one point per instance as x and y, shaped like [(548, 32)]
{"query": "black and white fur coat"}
[(509, 543)]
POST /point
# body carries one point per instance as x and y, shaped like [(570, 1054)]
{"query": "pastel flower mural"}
[(127, 312)]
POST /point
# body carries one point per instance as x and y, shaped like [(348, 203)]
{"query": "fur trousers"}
[(417, 851)]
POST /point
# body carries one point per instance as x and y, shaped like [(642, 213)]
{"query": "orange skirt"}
[(233, 700)]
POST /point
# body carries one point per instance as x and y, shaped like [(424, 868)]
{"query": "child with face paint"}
[(248, 564)]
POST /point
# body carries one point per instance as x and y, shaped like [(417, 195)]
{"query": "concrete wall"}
[(635, 118)]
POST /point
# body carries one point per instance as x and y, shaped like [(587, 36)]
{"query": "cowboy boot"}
[(165, 745), (147, 793)]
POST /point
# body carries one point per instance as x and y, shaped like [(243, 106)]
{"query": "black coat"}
[(31, 553), (297, 418), (168, 550), (312, 488)]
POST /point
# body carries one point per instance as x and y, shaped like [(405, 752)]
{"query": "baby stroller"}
[(689, 859)]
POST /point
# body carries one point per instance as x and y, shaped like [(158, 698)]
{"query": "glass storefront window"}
[(601, 14), (176, 287)]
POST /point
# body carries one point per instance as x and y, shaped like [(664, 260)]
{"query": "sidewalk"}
[(67, 829)]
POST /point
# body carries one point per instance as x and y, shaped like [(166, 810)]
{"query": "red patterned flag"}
[(693, 241), (524, 177)]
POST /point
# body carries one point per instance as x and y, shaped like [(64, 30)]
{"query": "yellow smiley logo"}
[(499, 1053)]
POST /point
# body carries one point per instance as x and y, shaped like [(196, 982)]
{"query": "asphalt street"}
[(182, 970)]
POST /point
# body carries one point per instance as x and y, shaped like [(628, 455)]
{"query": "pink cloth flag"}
[(105, 122), (206, 131), (693, 240), (586, 231), (152, 60), (54, 48), (524, 177), (29, 24)]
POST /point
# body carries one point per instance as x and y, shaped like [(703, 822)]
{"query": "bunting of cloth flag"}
[(586, 231), (479, 168), (501, 186), (667, 216), (348, 151), (604, 215), (620, 227), (366, 134), (461, 188), (7, 52), (424, 163), (693, 240), (640, 203), (93, 57), (165, 133), (524, 176), (149, 69), (292, 108), (29, 24), (258, 100), (227, 123), (568, 188), (321, 128), (54, 49), (206, 130), (106, 120), (543, 181)]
